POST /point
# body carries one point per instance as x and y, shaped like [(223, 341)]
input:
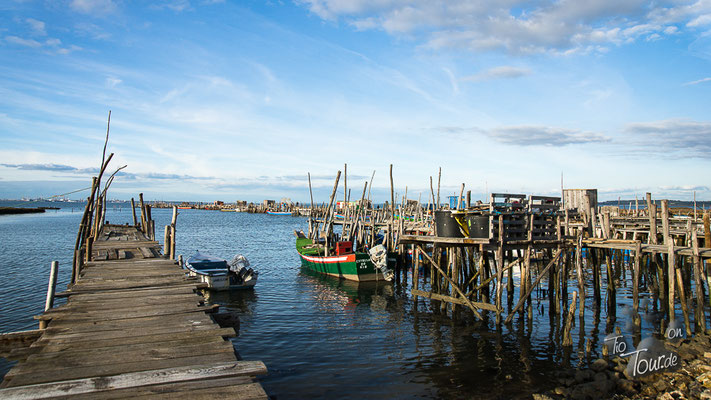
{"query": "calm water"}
[(319, 337)]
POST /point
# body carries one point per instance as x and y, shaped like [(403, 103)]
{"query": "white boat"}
[(221, 275)]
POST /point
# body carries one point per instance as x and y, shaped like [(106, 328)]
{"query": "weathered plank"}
[(62, 374), (134, 379), (227, 388), (90, 342)]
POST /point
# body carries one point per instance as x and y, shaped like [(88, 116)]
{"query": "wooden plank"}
[(109, 356), (35, 376), (131, 294), (134, 379), (146, 252), (97, 317), (241, 392), (117, 244), (108, 289), (91, 341), (242, 388), (419, 239), (129, 263), (116, 330), (450, 299), (13, 340), (128, 308), (134, 301), (186, 319)]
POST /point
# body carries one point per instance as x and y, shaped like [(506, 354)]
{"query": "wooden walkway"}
[(133, 326)]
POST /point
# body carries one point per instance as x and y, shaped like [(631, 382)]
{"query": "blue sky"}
[(239, 100)]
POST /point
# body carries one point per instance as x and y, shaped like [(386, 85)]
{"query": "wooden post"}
[(579, 270), (500, 269), (173, 221), (635, 281), (149, 222), (133, 210), (665, 221), (416, 267), (327, 217), (652, 213), (698, 272), (439, 179), (311, 212), (391, 233), (459, 200), (49, 302), (89, 245), (166, 242), (567, 340), (707, 230), (143, 213), (466, 300), (522, 298)]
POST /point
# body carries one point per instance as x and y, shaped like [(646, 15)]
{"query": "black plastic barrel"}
[(446, 224), (478, 226)]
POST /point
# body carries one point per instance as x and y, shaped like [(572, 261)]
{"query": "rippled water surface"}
[(319, 337)]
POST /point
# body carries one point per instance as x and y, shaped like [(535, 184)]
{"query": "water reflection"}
[(326, 337)]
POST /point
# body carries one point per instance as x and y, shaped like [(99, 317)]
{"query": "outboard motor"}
[(240, 267), (379, 257)]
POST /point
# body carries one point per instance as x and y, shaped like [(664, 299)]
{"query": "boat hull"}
[(354, 267), (221, 281)]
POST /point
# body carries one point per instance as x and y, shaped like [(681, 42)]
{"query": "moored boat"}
[(344, 263), (278, 212), (221, 275)]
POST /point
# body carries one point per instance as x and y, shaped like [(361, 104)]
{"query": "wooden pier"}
[(133, 326)]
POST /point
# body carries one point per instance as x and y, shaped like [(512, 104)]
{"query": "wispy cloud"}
[(544, 136), (530, 135), (696, 82), (501, 72), (50, 45), (22, 42), (673, 136), (38, 27), (174, 5), (93, 7), (41, 167)]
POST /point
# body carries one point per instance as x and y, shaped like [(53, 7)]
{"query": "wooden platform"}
[(132, 327)]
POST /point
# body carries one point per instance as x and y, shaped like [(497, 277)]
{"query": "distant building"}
[(219, 203), (268, 203), (241, 203)]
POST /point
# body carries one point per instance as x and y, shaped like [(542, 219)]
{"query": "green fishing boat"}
[(344, 263)]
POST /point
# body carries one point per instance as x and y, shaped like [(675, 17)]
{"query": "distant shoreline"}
[(21, 210)]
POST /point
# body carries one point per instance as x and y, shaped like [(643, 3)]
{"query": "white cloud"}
[(95, 7), (674, 136), (37, 26), (112, 81), (543, 136), (517, 26), (696, 82), (529, 135), (22, 42), (500, 72), (175, 5)]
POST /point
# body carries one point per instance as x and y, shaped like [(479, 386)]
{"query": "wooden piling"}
[(133, 211), (567, 339)]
